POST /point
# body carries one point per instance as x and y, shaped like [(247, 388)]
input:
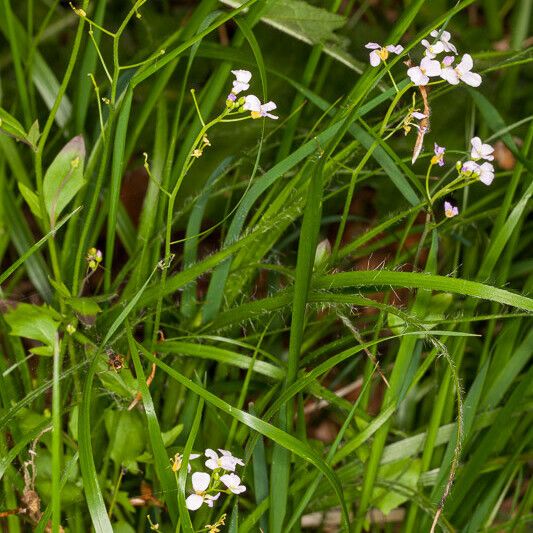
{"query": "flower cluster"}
[(94, 258), (249, 102), (431, 66), (207, 487), (444, 68), (483, 171)]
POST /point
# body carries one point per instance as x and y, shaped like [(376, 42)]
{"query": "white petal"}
[(243, 76), (437, 48), (372, 46), (269, 106), (430, 66), (447, 206), (225, 452), (228, 463), (471, 78), (375, 59), (419, 116), (193, 502), (212, 464), (238, 87), (417, 77), (211, 453), (445, 36), (466, 63), (200, 481), (449, 75), (239, 489), (252, 103), (425, 43)]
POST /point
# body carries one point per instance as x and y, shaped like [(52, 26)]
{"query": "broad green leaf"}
[(64, 177), (127, 436), (11, 126), (171, 435), (84, 306), (34, 322)]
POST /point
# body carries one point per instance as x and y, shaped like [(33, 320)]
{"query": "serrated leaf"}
[(64, 177), (36, 323), (31, 199)]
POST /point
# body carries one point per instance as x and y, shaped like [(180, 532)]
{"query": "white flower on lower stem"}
[(432, 50), (241, 82), (462, 72), (428, 68), (381, 53), (233, 482), (200, 484), (226, 460), (257, 109), (444, 38), (481, 150), (450, 210)]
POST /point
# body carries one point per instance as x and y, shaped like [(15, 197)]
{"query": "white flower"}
[(438, 158), (200, 483), (381, 53), (233, 482), (449, 210), (258, 110), (461, 72), (428, 68), (486, 173), (432, 50), (444, 38), (225, 461), (242, 77), (480, 150)]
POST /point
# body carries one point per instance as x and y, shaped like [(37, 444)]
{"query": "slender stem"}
[(427, 184)]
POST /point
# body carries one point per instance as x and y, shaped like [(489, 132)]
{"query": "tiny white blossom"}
[(428, 68), (226, 461), (486, 173), (449, 210), (462, 72), (432, 50), (200, 483), (233, 482), (241, 82), (259, 110), (381, 53), (444, 38), (481, 150)]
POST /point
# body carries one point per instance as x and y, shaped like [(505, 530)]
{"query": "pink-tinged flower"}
[(241, 82), (438, 158), (481, 150), (200, 484), (226, 461), (432, 50), (233, 482), (486, 173), (462, 72), (258, 110), (469, 167), (428, 68), (444, 38), (450, 211), (381, 53)]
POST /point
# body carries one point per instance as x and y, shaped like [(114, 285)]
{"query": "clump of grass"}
[(251, 282)]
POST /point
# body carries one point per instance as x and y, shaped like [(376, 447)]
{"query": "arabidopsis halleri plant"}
[(481, 150), (381, 53), (438, 158), (428, 68), (450, 211), (200, 485), (257, 109), (225, 460), (444, 39), (233, 483)]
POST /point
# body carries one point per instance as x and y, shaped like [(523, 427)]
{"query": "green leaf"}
[(126, 432), (84, 306), (31, 199), (171, 435), (33, 322), (11, 126), (64, 177)]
